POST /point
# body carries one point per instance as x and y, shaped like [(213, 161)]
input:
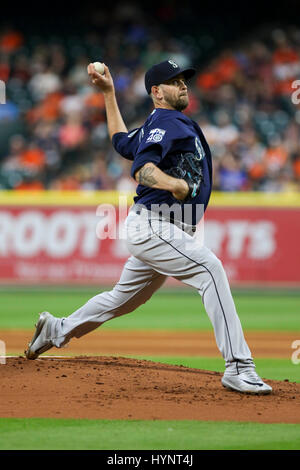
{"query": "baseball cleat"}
[(41, 341), (246, 382)]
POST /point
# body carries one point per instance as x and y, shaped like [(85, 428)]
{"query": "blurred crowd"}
[(56, 124)]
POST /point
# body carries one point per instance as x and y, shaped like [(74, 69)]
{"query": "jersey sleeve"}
[(125, 143), (151, 154)]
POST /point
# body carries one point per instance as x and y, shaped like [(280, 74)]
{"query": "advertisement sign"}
[(63, 244)]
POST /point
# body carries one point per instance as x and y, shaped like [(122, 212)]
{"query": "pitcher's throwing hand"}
[(102, 81)]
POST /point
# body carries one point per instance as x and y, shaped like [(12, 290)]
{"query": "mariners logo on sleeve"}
[(156, 135)]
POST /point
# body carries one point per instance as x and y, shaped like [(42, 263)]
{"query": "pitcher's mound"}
[(123, 388)]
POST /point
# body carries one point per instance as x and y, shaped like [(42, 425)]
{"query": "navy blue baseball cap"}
[(164, 71)]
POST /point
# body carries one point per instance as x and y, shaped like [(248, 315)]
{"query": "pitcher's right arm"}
[(105, 84)]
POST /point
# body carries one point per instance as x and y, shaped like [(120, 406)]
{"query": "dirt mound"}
[(123, 388)]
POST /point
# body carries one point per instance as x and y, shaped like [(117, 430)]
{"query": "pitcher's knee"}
[(214, 264)]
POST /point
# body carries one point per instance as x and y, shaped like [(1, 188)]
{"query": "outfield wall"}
[(58, 237)]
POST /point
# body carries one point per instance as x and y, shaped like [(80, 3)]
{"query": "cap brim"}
[(187, 73)]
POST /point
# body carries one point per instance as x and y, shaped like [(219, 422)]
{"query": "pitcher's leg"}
[(181, 256), (136, 285), (220, 307), (207, 275)]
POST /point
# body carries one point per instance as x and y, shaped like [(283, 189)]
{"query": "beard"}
[(179, 103)]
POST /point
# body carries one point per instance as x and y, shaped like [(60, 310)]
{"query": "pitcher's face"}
[(175, 92)]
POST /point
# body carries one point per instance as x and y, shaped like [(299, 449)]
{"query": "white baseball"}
[(99, 67)]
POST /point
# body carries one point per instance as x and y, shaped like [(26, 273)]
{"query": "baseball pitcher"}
[(171, 161)]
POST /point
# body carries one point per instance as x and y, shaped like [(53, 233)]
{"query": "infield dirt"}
[(123, 388)]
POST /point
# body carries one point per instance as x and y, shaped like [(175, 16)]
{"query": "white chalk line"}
[(44, 357)]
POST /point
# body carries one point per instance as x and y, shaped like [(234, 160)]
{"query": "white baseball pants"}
[(160, 249)]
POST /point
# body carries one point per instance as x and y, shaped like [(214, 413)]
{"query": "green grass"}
[(72, 434), (177, 310), (172, 310)]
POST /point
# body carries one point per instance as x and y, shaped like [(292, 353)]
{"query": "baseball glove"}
[(189, 169)]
